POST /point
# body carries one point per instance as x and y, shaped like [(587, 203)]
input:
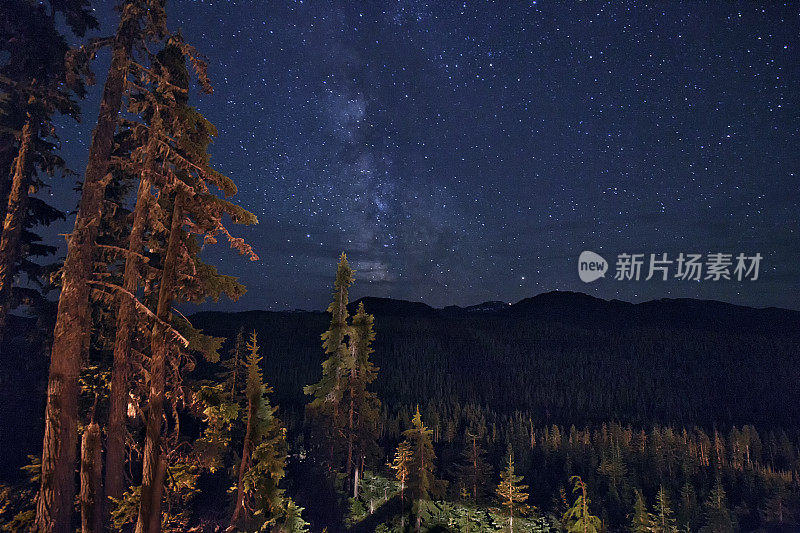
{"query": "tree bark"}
[(148, 506), (57, 489), (158, 493), (126, 324), (7, 143), (247, 449), (12, 223), (91, 478)]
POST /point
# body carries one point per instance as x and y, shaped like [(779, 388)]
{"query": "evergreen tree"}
[(364, 406), (402, 463), (325, 409), (293, 519), (511, 494), (184, 210), (578, 519), (421, 480), (688, 508), (663, 517), (474, 472), (717, 516), (235, 366), (140, 21), (263, 460), (34, 86), (777, 507), (641, 519)]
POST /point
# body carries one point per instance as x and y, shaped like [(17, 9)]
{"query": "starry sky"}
[(463, 152)]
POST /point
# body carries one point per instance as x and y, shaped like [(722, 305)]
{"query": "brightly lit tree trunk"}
[(126, 324), (57, 489), (91, 492)]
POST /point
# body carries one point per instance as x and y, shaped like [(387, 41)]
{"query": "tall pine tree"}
[(474, 472), (326, 409), (421, 480), (263, 459), (140, 21), (511, 494), (363, 405)]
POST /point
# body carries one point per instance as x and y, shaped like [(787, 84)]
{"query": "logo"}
[(685, 266), (591, 266)]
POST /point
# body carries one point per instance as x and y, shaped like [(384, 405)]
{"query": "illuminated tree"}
[(511, 494)]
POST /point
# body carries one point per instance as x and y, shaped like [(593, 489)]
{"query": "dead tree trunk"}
[(126, 325), (12, 223), (57, 489), (148, 505)]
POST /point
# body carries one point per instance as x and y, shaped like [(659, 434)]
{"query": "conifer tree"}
[(140, 21), (641, 519), (263, 458), (364, 406), (293, 521), (326, 409), (663, 517), (235, 365), (474, 472), (402, 463), (34, 87), (421, 481), (777, 508), (185, 210), (511, 494), (688, 508), (717, 516), (578, 519)]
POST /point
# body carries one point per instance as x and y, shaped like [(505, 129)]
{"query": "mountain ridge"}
[(582, 309)]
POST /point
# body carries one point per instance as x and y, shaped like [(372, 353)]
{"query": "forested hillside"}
[(566, 357)]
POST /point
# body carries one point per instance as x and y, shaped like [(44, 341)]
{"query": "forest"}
[(122, 410)]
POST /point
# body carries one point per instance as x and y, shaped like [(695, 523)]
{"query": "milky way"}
[(469, 152)]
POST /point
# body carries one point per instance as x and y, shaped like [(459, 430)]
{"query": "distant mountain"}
[(391, 307), (581, 309)]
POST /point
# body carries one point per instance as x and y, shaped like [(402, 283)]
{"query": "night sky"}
[(468, 152)]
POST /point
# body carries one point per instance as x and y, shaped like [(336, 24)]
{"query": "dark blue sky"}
[(462, 152)]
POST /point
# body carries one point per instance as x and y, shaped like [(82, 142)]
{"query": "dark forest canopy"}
[(567, 357)]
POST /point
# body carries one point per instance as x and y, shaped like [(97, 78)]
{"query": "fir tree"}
[(717, 516), (641, 519), (139, 22), (264, 448), (34, 87), (402, 463), (185, 210), (364, 406), (326, 409), (511, 494), (578, 519), (421, 481), (235, 365), (777, 507), (688, 508), (663, 517), (474, 472)]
